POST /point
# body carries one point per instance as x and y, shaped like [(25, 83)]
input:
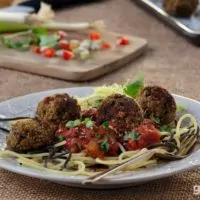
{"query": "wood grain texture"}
[(102, 62)]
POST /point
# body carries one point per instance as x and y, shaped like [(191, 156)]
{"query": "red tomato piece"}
[(132, 145), (94, 36), (37, 50), (123, 41), (105, 45), (63, 44), (49, 53), (68, 55)]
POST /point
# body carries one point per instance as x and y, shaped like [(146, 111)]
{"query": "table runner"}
[(170, 61)]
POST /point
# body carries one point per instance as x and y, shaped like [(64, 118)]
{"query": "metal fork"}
[(187, 144)]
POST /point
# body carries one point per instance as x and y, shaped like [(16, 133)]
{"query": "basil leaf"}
[(133, 88), (105, 125), (70, 124)]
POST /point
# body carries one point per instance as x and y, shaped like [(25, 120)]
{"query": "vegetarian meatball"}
[(180, 8), (122, 113), (58, 108), (30, 134), (157, 102)]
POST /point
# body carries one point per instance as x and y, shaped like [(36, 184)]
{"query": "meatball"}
[(180, 8), (122, 112), (58, 109), (89, 113), (30, 134), (157, 102)]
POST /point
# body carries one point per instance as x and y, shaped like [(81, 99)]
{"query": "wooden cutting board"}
[(102, 62)]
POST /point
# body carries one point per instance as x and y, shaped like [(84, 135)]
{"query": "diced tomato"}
[(132, 145), (114, 149), (123, 41), (102, 131), (49, 53), (62, 34), (105, 45), (37, 50), (94, 36), (63, 44), (68, 55), (94, 149), (149, 134)]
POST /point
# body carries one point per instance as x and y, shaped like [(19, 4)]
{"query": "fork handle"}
[(135, 160)]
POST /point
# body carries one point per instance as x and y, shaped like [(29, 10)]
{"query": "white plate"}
[(18, 106)]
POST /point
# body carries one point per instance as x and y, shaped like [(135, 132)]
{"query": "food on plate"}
[(157, 102), (30, 134), (180, 8), (85, 135), (58, 109), (122, 113)]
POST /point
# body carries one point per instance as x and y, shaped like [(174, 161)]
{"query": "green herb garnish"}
[(96, 104), (49, 41), (165, 128), (70, 124), (155, 119), (105, 145), (105, 125), (132, 135), (180, 108), (77, 122), (60, 138), (133, 88)]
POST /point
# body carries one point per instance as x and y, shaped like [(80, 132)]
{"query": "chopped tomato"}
[(149, 134), (105, 45), (114, 149), (49, 53), (67, 55), (132, 145), (95, 36), (37, 50), (63, 44), (94, 150), (123, 41)]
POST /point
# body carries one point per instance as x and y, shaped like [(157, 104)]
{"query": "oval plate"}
[(26, 106)]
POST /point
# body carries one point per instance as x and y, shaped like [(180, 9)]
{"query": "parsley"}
[(70, 124), (22, 44), (96, 104), (133, 88), (165, 128), (105, 145), (50, 41), (88, 122), (132, 135), (105, 125), (77, 122)]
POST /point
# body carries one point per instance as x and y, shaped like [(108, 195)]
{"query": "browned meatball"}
[(180, 8), (58, 109), (122, 112), (157, 102), (30, 134)]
